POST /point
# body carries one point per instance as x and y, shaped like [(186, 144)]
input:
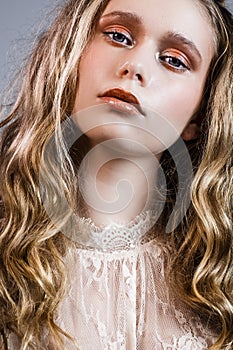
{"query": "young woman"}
[(107, 92)]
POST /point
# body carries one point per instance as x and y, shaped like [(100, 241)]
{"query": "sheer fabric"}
[(119, 296)]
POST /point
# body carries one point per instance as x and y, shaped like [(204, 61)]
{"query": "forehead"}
[(187, 17)]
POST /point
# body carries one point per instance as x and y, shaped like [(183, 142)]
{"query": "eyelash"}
[(110, 35), (177, 66)]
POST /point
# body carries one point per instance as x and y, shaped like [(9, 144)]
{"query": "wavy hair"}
[(33, 275), (203, 263)]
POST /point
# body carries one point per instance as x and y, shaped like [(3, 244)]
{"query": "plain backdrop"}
[(20, 22)]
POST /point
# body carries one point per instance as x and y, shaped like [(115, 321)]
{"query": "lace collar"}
[(115, 236)]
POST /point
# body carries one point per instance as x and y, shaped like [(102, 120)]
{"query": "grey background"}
[(19, 22)]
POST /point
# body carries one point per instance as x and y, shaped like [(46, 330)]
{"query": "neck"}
[(117, 188)]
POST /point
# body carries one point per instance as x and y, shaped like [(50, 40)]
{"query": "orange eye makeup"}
[(175, 60), (119, 36)]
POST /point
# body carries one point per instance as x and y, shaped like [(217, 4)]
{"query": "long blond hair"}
[(204, 247), (33, 276)]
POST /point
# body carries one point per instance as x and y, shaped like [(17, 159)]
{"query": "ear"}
[(191, 131)]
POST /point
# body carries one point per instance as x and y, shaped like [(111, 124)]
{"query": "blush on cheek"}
[(189, 104)]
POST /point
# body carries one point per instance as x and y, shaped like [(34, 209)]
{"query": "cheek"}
[(94, 69), (94, 61), (179, 102), (190, 101)]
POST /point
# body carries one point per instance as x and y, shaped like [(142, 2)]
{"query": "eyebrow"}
[(126, 16), (134, 19), (181, 39)]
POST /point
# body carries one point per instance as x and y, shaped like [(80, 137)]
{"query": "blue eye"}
[(119, 38), (174, 62)]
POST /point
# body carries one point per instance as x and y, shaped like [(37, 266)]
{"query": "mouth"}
[(122, 101)]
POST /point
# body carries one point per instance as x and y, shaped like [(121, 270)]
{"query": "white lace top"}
[(119, 298)]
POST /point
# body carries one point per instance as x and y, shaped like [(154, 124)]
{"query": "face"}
[(147, 65)]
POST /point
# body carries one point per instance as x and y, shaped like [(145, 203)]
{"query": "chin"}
[(123, 143)]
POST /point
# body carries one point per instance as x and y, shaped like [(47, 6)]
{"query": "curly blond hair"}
[(33, 275), (204, 245)]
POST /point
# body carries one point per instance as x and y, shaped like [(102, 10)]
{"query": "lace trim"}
[(116, 236)]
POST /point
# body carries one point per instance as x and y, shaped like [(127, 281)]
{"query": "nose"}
[(137, 64), (132, 71)]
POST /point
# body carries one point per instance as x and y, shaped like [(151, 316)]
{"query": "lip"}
[(122, 100)]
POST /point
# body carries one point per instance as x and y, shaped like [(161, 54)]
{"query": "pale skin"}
[(159, 51)]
